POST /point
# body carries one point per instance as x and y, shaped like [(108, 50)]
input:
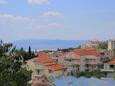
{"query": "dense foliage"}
[(11, 72), (89, 74), (103, 45), (65, 50), (26, 55)]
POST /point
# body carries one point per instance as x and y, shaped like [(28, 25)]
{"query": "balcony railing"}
[(107, 70)]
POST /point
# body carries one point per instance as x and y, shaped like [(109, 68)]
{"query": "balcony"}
[(107, 70)]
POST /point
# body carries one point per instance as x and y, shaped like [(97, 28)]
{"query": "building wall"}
[(81, 63), (55, 73), (91, 44), (107, 68), (72, 65), (111, 45), (43, 70), (84, 62)]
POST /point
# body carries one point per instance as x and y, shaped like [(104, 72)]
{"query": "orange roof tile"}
[(112, 62), (44, 60), (61, 52), (55, 67), (88, 51), (43, 54), (69, 55)]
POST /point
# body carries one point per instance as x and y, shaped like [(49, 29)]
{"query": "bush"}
[(89, 74)]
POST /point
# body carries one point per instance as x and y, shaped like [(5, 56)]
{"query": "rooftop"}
[(43, 54), (44, 60), (87, 51), (69, 55), (55, 67), (112, 62)]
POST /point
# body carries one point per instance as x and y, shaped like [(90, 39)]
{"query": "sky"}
[(57, 19)]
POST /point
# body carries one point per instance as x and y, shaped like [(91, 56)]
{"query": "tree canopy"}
[(11, 72), (103, 45)]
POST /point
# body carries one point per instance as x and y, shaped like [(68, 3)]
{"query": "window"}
[(112, 66), (38, 71), (70, 60), (50, 71)]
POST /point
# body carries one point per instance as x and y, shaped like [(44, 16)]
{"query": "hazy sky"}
[(57, 19)]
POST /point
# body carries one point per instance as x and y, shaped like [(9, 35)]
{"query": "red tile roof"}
[(69, 55), (112, 62), (88, 51), (61, 52), (44, 60), (55, 67), (43, 54)]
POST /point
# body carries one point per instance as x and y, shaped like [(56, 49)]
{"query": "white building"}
[(110, 66), (91, 44), (111, 44)]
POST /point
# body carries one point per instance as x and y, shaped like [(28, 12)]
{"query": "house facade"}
[(91, 44), (48, 67), (70, 60), (111, 44), (109, 66), (80, 60)]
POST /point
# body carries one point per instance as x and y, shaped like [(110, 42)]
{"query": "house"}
[(48, 67), (104, 54), (53, 54), (112, 64), (90, 58), (111, 44), (56, 54), (43, 54), (109, 68), (70, 60), (91, 44), (80, 60)]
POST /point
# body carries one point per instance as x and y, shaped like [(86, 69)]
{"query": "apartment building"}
[(71, 61), (80, 60), (111, 44), (90, 58)]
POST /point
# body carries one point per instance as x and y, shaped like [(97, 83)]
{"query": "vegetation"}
[(11, 72), (65, 50), (103, 45), (47, 51), (89, 74), (69, 49), (106, 60), (26, 55)]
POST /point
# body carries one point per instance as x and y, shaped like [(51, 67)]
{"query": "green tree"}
[(21, 53), (103, 45), (29, 52), (90, 74), (11, 73)]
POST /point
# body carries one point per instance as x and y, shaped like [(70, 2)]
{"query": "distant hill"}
[(48, 44)]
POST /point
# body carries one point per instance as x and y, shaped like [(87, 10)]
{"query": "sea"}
[(41, 44)]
